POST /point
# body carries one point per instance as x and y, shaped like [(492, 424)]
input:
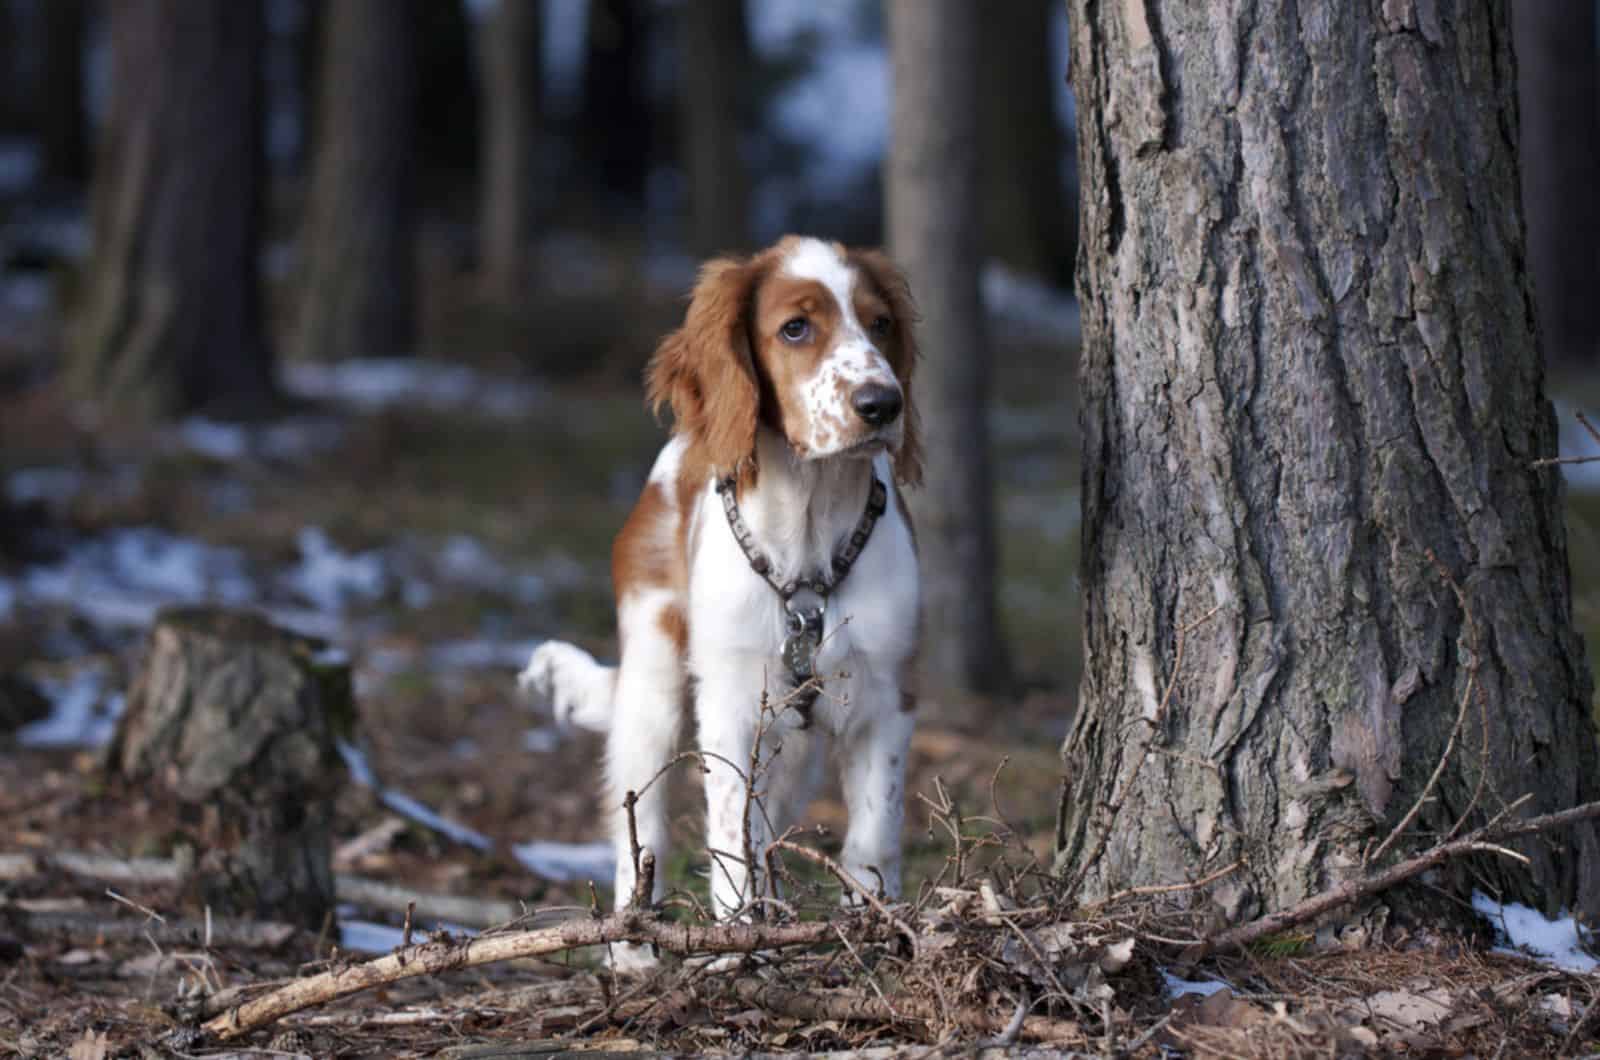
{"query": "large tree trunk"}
[(359, 241), (1558, 80), (934, 233), (714, 57), (1311, 395), (509, 90), (62, 133), (1028, 221), (172, 317), (615, 131)]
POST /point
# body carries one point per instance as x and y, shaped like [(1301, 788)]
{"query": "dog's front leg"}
[(872, 765), (728, 713)]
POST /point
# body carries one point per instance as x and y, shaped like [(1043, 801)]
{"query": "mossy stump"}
[(236, 720)]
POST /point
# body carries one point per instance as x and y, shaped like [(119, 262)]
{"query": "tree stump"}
[(236, 719)]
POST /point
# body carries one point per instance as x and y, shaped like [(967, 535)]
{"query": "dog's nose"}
[(876, 403)]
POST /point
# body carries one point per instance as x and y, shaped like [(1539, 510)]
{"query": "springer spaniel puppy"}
[(769, 558)]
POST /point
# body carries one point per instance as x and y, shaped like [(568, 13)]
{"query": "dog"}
[(769, 561)]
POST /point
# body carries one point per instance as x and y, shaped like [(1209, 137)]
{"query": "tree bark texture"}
[(935, 232), (1558, 82), (1309, 359), (510, 94), (714, 57), (236, 718), (172, 317), (359, 242), (1029, 222)]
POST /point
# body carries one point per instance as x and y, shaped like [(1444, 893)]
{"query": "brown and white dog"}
[(791, 377)]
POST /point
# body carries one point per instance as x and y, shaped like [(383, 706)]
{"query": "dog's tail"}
[(580, 691)]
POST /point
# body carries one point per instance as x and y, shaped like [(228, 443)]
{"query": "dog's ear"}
[(706, 372), (901, 350)]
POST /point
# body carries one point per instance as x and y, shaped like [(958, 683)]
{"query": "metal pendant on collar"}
[(805, 601)]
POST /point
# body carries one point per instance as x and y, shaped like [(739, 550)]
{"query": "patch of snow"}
[(1024, 308), (27, 293), (364, 936), (566, 862), (361, 772), (46, 485), (287, 440), (542, 739), (467, 561), (371, 384), (125, 576), (330, 579), (82, 712), (1204, 987), (1528, 931), (481, 653), (19, 164)]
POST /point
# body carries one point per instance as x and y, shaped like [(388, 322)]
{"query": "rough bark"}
[(237, 719), (1309, 359), (172, 319), (359, 243), (714, 57), (934, 233), (510, 102), (1028, 220), (1558, 82)]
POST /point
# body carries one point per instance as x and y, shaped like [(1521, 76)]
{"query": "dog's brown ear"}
[(705, 371), (901, 350)]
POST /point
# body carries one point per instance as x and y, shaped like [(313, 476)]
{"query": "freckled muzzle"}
[(877, 404)]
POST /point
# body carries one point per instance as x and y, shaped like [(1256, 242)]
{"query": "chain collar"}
[(805, 599)]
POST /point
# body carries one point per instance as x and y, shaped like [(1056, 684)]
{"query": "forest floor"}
[(435, 520)]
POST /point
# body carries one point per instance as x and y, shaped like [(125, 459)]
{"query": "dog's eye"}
[(796, 330), (881, 326)]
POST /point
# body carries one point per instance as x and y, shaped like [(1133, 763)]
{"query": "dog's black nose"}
[(876, 403)]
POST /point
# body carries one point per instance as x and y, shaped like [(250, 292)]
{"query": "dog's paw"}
[(577, 689)]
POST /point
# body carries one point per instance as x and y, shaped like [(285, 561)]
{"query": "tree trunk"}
[(934, 232), (236, 719), (1558, 80), (172, 318), (1311, 396), (509, 82), (359, 293), (615, 129), (714, 58), (1028, 220), (61, 119)]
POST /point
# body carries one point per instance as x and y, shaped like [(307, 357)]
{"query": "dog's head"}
[(807, 337)]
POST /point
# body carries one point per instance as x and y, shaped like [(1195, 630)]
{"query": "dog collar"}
[(805, 600)]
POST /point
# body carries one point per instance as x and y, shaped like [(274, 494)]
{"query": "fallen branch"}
[(838, 1005), (95, 928), (1480, 841), (449, 955)]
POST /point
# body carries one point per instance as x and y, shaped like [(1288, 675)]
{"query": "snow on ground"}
[(331, 579), (364, 936), (567, 862), (1527, 931), (83, 711), (1204, 987), (370, 384), (406, 806), (293, 439)]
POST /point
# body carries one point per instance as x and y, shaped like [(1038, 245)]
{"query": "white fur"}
[(799, 512), (853, 360)]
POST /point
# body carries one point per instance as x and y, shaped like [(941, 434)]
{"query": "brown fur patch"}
[(675, 626), (900, 347), (647, 550)]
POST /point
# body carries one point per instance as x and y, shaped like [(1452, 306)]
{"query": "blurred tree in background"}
[(62, 123), (509, 81), (1029, 220), (171, 319), (358, 292), (1558, 82), (716, 70), (935, 233), (615, 127)]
